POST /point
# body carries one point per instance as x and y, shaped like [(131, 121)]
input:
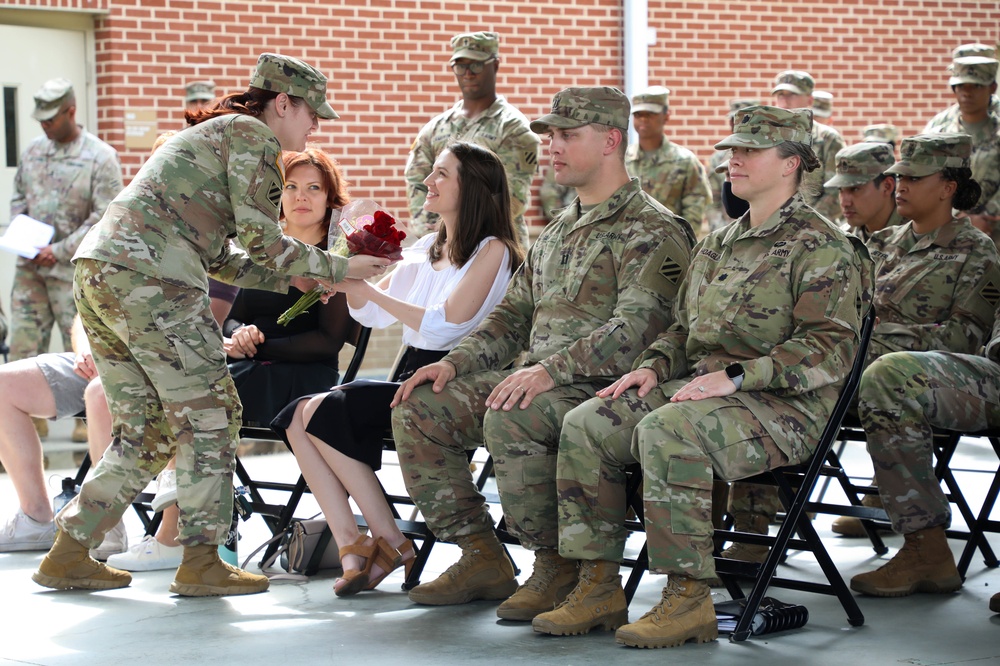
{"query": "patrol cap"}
[(723, 167), (861, 163), (925, 154), (880, 133), (768, 126), (737, 104), (966, 50), (973, 69), (794, 81), (293, 77), (197, 91), (576, 107), (654, 99), (50, 98), (479, 46), (822, 104)]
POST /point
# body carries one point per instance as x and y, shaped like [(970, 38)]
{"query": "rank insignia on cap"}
[(990, 293), (670, 270)]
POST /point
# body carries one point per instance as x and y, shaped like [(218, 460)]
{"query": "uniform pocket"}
[(211, 459), (689, 483)]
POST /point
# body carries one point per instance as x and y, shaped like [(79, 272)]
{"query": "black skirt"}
[(266, 387), (355, 419)]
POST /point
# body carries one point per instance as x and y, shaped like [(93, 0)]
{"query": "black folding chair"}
[(795, 485), (278, 517)]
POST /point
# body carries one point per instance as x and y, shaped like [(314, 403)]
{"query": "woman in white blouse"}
[(444, 286)]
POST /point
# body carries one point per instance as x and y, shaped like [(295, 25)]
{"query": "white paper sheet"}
[(25, 235)]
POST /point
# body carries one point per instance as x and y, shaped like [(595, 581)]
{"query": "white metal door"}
[(33, 56)]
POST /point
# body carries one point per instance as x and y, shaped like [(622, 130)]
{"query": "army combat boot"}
[(552, 578), (68, 566), (923, 564), (685, 613), (483, 572), (203, 574), (597, 601), (851, 527), (748, 522)]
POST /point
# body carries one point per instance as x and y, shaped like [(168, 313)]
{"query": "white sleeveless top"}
[(415, 281)]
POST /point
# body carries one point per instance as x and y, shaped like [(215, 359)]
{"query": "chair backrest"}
[(358, 337)]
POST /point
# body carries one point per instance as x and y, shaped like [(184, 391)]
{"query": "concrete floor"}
[(305, 623)]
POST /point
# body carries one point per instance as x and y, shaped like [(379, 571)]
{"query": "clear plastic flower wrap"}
[(360, 227)]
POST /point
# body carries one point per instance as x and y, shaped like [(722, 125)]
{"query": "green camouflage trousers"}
[(39, 299), (679, 446), (159, 354), (433, 432), (902, 396)]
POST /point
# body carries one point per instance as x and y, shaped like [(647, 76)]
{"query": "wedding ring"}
[(701, 388), (521, 388)]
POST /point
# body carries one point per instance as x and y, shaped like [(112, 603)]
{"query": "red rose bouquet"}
[(360, 227)]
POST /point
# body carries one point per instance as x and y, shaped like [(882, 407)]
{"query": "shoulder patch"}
[(530, 157), (990, 292), (265, 193), (671, 270)]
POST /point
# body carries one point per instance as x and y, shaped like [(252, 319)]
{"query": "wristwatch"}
[(735, 374)]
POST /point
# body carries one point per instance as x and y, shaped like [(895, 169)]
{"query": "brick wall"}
[(884, 61)]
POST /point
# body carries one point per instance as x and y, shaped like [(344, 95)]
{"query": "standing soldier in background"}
[(794, 90), (667, 172), (198, 94), (483, 118), (973, 81), (716, 214), (881, 133), (822, 105), (66, 179)]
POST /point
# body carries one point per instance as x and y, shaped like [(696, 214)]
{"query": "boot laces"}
[(542, 575), (905, 558), (673, 591), (463, 563)]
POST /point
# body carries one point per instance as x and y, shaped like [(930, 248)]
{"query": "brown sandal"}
[(378, 552), (406, 547)]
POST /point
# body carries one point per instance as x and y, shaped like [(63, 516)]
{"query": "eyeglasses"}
[(476, 66)]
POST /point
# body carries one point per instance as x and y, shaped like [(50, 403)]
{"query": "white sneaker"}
[(20, 532), (115, 541), (148, 555), (166, 490)]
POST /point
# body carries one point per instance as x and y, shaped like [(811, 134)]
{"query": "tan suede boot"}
[(68, 566), (923, 564), (995, 603), (597, 601), (850, 527), (203, 574), (748, 522), (685, 613), (483, 572), (552, 578)]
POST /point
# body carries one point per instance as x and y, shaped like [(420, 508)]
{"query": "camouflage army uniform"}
[(501, 128), (782, 299), (673, 176), (142, 290), (902, 397), (826, 143), (938, 292), (68, 186), (594, 291), (553, 195)]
